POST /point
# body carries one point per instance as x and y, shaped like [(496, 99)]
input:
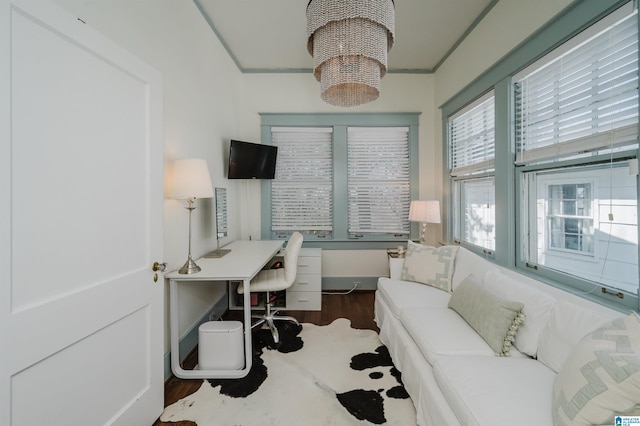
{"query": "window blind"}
[(584, 100), (378, 180), (472, 138), (302, 191)]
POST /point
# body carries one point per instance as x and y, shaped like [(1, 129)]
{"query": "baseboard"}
[(347, 283), (190, 339)]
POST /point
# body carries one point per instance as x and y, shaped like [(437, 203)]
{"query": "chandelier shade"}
[(349, 41)]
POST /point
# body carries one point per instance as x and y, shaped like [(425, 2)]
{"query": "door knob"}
[(157, 266)]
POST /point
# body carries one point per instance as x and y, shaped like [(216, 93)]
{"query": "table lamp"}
[(424, 211), (191, 180)]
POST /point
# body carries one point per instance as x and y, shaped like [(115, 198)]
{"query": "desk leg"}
[(181, 373), (248, 352)]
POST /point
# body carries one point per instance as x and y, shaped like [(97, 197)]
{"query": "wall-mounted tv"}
[(249, 160)]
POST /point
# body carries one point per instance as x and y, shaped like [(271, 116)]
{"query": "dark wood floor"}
[(356, 306)]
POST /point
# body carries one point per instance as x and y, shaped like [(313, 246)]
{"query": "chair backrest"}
[(291, 253)]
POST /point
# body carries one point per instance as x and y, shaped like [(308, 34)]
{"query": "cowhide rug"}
[(321, 375)]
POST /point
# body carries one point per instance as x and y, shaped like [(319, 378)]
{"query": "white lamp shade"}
[(190, 179), (424, 211)]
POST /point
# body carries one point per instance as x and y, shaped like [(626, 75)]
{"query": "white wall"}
[(201, 89)]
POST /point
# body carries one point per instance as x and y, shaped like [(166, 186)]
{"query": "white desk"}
[(246, 259)]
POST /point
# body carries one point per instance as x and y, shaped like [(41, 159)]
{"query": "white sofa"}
[(455, 378)]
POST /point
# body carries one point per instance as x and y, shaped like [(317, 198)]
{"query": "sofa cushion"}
[(567, 324), (496, 391), (441, 331), (601, 376), (404, 294), (467, 263), (537, 308), (429, 265), (494, 318)]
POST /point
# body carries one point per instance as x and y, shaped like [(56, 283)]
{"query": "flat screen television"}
[(249, 160)]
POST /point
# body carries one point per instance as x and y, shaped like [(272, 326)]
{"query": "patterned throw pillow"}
[(601, 377), (429, 265)]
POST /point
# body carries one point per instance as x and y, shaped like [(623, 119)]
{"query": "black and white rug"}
[(321, 375)]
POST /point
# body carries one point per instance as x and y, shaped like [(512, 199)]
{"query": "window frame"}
[(316, 177), (574, 19), (470, 171), (549, 216), (459, 211), (340, 122), (573, 284)]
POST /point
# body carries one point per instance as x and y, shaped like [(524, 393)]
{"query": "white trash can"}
[(220, 345)]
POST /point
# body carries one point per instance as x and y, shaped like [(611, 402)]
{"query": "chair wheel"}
[(275, 345)]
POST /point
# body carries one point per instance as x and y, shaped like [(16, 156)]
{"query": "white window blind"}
[(302, 191), (378, 180), (472, 138), (584, 100)]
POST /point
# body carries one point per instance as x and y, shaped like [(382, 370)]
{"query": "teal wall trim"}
[(468, 31), (351, 119), (347, 283), (310, 71), (504, 172), (217, 34), (190, 339)]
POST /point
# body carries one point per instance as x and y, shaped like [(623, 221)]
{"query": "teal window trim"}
[(578, 16), (340, 122)]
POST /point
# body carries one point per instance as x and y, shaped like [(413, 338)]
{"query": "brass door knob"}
[(157, 266)]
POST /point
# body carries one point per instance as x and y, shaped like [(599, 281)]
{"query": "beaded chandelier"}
[(349, 41)]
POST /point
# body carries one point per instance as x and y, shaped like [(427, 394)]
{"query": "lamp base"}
[(189, 267), (217, 253), (423, 233)]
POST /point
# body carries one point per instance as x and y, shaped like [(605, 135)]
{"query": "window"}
[(341, 178), (471, 157), (569, 217), (576, 127), (582, 101), (302, 191), (559, 196), (581, 221), (477, 212), (378, 180)]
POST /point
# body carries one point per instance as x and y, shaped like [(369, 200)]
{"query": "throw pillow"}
[(429, 265), (492, 317), (567, 325), (537, 307), (601, 377)]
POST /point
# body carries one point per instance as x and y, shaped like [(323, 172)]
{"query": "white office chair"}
[(269, 280)]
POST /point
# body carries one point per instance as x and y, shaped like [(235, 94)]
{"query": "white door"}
[(81, 319)]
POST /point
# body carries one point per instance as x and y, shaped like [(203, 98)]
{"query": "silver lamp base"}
[(217, 253), (189, 267)]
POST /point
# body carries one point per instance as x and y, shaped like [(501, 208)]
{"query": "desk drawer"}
[(307, 282), (309, 265), (304, 301)]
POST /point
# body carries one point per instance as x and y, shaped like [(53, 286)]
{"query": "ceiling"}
[(270, 35)]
